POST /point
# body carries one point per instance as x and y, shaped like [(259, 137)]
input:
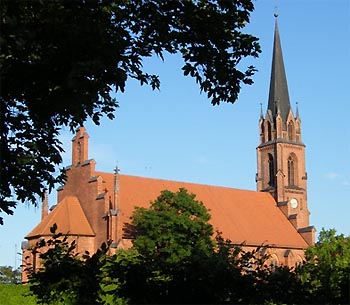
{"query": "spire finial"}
[(261, 111), (116, 187), (276, 12), (116, 170)]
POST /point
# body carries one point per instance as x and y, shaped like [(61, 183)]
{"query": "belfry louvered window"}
[(290, 130), (291, 171)]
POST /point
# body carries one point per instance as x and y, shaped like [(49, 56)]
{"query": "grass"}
[(16, 295)]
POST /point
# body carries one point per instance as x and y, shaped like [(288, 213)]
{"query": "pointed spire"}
[(297, 111), (116, 188), (278, 108), (278, 95), (261, 112)]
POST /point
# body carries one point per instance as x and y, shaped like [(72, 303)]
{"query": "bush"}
[(16, 295)]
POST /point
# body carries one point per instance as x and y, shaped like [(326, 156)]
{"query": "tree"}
[(8, 275), (172, 237), (61, 62), (326, 270), (174, 227), (172, 242), (65, 276), (174, 259)]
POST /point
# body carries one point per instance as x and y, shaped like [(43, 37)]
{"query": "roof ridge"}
[(175, 181)]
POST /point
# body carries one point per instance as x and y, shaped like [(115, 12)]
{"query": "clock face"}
[(293, 203)]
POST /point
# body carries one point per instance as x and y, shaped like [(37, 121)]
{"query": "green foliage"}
[(8, 275), (62, 61), (202, 270), (175, 260), (65, 277), (326, 271), (173, 228), (172, 239), (16, 295)]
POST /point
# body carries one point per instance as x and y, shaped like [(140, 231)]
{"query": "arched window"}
[(271, 171), (262, 132), (269, 132), (290, 130), (291, 171), (297, 128)]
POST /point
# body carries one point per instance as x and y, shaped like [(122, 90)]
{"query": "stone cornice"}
[(283, 141)]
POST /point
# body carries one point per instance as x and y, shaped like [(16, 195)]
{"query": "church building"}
[(93, 206)]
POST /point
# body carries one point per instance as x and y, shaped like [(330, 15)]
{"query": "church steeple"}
[(278, 95), (281, 152)]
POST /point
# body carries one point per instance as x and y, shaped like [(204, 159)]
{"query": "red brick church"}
[(95, 206)]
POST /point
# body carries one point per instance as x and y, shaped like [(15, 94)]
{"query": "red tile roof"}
[(69, 217), (241, 215)]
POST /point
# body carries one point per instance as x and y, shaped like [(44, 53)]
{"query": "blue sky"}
[(176, 134)]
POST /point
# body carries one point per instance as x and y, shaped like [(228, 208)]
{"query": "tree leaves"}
[(326, 271), (62, 62), (175, 227), (220, 273)]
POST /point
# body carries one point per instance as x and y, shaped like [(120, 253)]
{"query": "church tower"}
[(281, 152)]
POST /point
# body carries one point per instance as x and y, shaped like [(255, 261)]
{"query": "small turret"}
[(80, 147), (45, 206)]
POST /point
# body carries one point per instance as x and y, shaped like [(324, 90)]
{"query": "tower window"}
[(290, 130), (262, 132), (291, 171), (271, 171)]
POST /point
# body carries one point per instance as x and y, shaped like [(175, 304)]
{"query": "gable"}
[(69, 217)]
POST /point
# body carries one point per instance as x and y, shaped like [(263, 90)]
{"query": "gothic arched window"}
[(290, 130), (271, 171), (291, 171), (262, 132)]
